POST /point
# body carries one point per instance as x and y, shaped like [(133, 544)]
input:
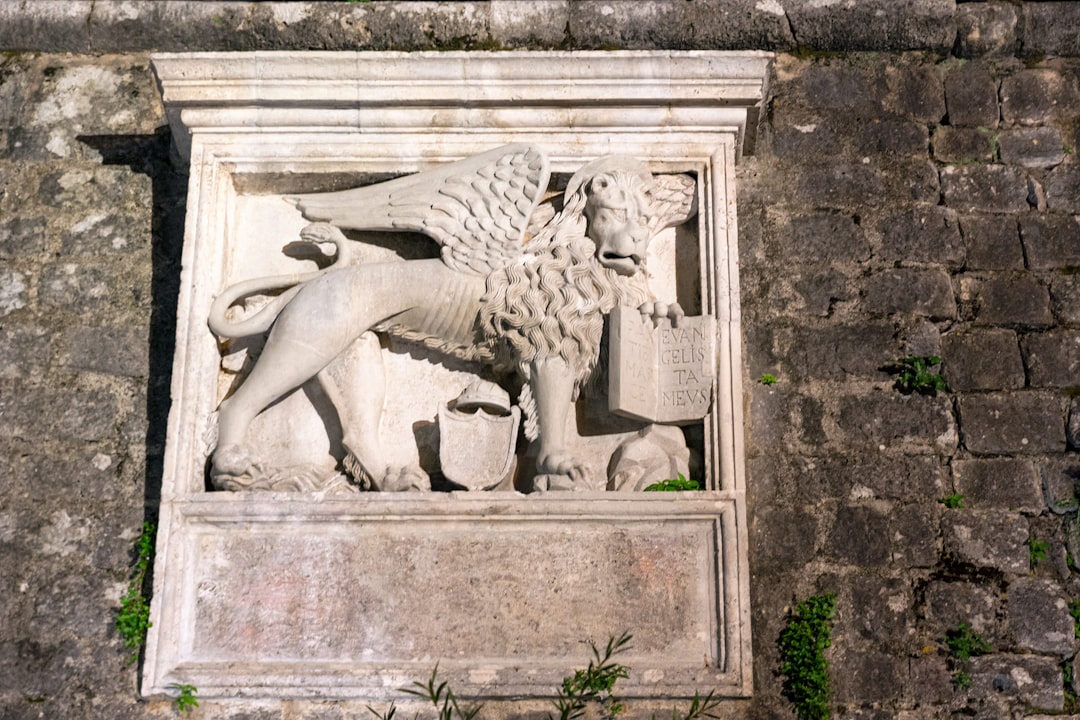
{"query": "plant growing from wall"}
[(767, 379), (594, 684), (1037, 550), (674, 485), (964, 644), (953, 500), (185, 696), (803, 642), (917, 374), (133, 618)]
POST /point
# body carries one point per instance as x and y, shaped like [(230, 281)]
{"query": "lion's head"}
[(618, 210)]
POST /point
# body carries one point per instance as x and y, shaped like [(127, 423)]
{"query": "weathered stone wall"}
[(898, 203)]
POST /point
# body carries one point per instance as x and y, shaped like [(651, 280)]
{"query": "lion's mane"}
[(551, 302)]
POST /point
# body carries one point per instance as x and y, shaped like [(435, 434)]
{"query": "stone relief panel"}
[(423, 297), (522, 286)]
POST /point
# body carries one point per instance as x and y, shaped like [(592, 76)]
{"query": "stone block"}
[(734, 25), (874, 25), (111, 350), (889, 420), (889, 137), (818, 289), (985, 29), (986, 539), (962, 145), (998, 483), (949, 603), (1063, 188), (908, 477), (881, 610), (1065, 298), (1038, 617), (71, 285), (525, 24), (25, 349), (59, 415), (1032, 680), (919, 336), (1035, 96), (866, 676), (22, 237), (1015, 300), (628, 26), (1032, 147), (982, 360), (840, 87), (1052, 358), (805, 141), (916, 91), (913, 291), (839, 184), (914, 535), (840, 352), (51, 27), (859, 536), (106, 233), (13, 291), (1018, 422), (827, 237), (1051, 240), (924, 234), (1050, 29), (971, 96), (929, 684), (992, 242), (1060, 475), (984, 188), (910, 182), (810, 416), (782, 537)]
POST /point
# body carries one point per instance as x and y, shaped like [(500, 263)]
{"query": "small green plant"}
[(1074, 610), (802, 656), (133, 618), (954, 501), (964, 643), (916, 374), (594, 683), (185, 696), (1037, 550), (679, 483), (767, 379)]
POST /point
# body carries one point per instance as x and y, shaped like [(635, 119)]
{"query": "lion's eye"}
[(643, 220)]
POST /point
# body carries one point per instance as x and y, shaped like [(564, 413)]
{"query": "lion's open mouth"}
[(622, 264)]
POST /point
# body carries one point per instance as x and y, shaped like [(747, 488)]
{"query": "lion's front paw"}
[(404, 479), (658, 311), (562, 471)]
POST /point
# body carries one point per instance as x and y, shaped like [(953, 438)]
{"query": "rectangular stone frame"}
[(279, 595)]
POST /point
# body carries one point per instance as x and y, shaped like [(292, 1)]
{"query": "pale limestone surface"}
[(264, 126)]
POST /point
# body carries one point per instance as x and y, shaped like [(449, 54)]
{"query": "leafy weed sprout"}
[(964, 644), (133, 618), (916, 374), (954, 501), (675, 485), (1074, 610), (594, 684), (185, 696), (767, 379), (802, 656), (1037, 550)]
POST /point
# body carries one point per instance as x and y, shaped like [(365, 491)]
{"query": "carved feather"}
[(674, 201), (477, 208)]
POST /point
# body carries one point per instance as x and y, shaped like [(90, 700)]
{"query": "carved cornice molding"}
[(425, 92)]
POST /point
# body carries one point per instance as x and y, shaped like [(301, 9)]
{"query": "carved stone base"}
[(289, 597)]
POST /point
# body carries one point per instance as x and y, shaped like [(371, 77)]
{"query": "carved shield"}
[(477, 449)]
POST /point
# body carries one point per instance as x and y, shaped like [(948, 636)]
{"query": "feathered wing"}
[(674, 201), (478, 208)]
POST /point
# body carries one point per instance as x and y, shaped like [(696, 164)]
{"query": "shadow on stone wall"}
[(154, 156)]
